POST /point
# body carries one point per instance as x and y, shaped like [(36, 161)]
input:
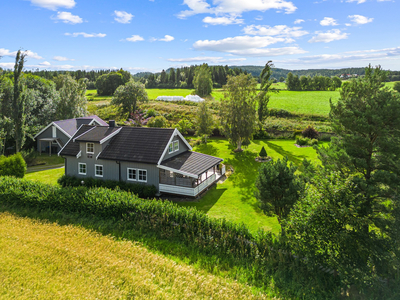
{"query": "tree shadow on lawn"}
[(296, 159), (208, 149), (208, 200)]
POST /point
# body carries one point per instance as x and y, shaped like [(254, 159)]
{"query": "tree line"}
[(308, 83)]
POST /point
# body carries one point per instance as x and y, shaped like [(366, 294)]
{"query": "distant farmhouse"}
[(156, 156), (55, 135)]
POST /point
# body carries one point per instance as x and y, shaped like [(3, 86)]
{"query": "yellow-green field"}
[(43, 260)]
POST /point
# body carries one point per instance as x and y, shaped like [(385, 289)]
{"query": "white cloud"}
[(122, 17), (45, 64), (166, 38), (258, 18), (329, 36), (53, 4), (210, 59), (222, 20), (298, 21), (234, 7), (29, 53), (134, 38), (358, 1), (359, 20), (86, 35), (67, 17), (278, 30), (7, 65), (61, 58), (328, 22), (269, 51)]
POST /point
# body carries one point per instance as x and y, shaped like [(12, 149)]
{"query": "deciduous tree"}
[(238, 109), (129, 96), (204, 120), (203, 81)]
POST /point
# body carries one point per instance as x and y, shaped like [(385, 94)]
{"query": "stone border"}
[(263, 159)]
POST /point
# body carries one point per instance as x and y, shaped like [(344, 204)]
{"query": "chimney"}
[(111, 123)]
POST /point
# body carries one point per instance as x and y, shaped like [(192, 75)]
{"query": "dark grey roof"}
[(138, 144), (71, 125), (71, 148), (96, 134), (192, 162)]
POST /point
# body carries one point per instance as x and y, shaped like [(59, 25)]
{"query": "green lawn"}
[(46, 176), (234, 199)]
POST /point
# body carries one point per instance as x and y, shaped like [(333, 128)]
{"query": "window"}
[(142, 175), (90, 148), (171, 148), (82, 168), (54, 131), (131, 174), (174, 146), (98, 170)]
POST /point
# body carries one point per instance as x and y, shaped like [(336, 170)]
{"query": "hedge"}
[(142, 190), (13, 165)]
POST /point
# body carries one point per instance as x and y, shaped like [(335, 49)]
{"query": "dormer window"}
[(89, 148), (173, 146)]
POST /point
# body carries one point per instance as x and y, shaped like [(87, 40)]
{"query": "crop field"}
[(45, 260)]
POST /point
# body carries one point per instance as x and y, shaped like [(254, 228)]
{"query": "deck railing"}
[(187, 191)]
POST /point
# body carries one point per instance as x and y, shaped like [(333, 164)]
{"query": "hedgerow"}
[(262, 256), (141, 190)]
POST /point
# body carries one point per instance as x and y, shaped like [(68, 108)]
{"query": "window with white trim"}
[(131, 174), (142, 175), (173, 146), (54, 129), (90, 148), (82, 168), (176, 146), (98, 170)]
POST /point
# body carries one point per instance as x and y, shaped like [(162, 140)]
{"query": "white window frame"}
[(87, 146), (176, 145), (138, 175), (171, 148), (95, 170), (54, 131), (127, 174), (79, 168)]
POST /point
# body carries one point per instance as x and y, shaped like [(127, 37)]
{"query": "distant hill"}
[(277, 73)]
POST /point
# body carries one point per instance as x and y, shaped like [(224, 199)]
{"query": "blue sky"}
[(151, 35)]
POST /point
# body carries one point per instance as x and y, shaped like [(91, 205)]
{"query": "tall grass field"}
[(44, 260)]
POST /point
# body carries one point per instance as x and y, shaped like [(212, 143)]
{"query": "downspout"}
[(119, 170)]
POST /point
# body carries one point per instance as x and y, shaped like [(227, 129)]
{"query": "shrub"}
[(306, 141), (29, 156), (151, 113), (263, 153), (142, 190), (281, 113), (310, 132), (13, 165), (261, 135), (159, 121)]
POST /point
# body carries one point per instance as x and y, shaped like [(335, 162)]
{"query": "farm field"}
[(45, 260), (234, 199)]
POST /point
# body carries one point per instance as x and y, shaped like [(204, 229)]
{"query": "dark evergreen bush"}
[(310, 132), (13, 165), (263, 153), (142, 190)]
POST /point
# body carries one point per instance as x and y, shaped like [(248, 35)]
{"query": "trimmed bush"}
[(310, 132), (141, 190), (263, 153), (13, 165), (306, 141)]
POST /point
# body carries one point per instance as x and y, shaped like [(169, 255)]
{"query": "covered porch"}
[(53, 145), (189, 173)]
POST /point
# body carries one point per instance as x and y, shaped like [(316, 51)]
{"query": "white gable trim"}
[(79, 154), (84, 132), (62, 130), (177, 171), (52, 123), (110, 136), (97, 157), (174, 134), (67, 142)]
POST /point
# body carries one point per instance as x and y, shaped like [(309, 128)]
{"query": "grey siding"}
[(152, 172), (48, 133), (182, 148), (111, 170)]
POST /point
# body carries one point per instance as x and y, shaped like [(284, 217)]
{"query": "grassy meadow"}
[(47, 260)]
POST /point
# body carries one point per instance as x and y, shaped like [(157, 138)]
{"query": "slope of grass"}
[(46, 176), (234, 199), (44, 260)]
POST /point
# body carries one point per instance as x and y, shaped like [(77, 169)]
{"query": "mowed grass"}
[(44, 260), (46, 176), (234, 199)]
